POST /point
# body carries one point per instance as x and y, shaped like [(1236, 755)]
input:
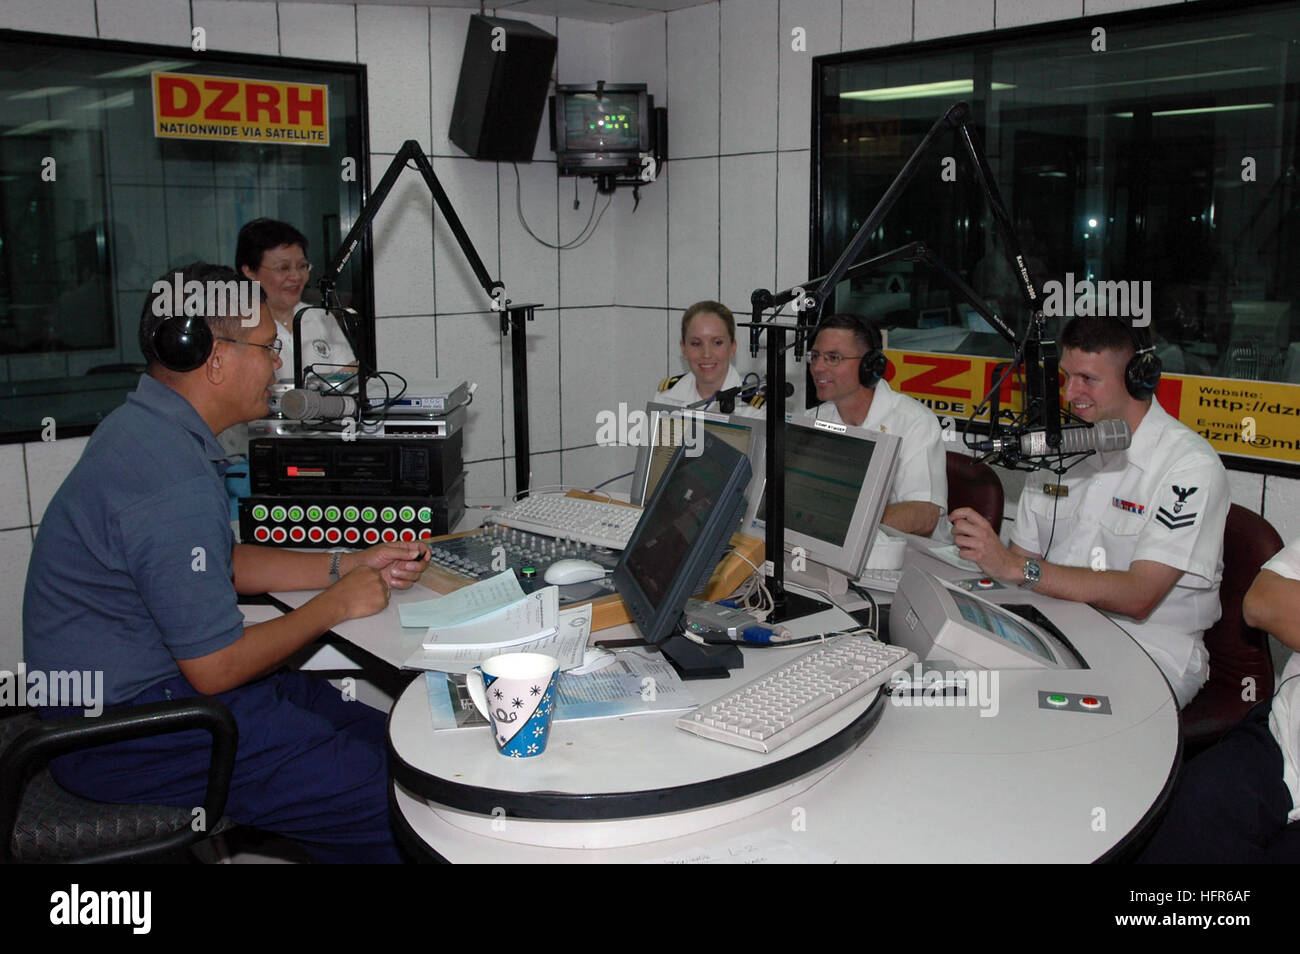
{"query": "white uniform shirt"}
[(1284, 719), (323, 343), (684, 392), (1165, 499), (922, 462)]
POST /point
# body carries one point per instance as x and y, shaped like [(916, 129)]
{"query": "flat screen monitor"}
[(669, 427), (837, 482), (681, 535), (939, 620)]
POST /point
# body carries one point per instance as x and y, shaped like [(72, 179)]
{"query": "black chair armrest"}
[(48, 740)]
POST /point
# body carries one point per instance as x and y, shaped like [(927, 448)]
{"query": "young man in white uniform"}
[(847, 367), (1138, 533), (1239, 802)]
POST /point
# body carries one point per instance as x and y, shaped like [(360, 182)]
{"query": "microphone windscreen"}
[(1113, 435), (299, 404)]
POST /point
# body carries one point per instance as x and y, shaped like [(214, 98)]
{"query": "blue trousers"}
[(1230, 804), (310, 765)]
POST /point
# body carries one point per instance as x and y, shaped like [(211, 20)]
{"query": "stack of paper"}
[(529, 618), (495, 616), (479, 599)]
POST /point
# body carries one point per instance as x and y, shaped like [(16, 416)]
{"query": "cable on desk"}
[(754, 585), (610, 481)]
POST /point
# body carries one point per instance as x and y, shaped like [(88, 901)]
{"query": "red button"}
[(333, 535), (261, 533), (278, 534), (1091, 702), (371, 535), (316, 534), (408, 534), (389, 535), (297, 534), (351, 534)]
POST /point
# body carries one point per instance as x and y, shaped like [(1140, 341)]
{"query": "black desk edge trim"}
[(611, 805)]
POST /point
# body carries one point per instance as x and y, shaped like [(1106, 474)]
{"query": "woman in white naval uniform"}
[(275, 254), (708, 345)]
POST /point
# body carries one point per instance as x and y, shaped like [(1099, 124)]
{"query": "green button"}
[(408, 513), (1057, 700), (331, 513), (313, 512), (277, 514), (295, 512), (350, 513), (368, 514), (426, 514), (388, 514), (260, 512)]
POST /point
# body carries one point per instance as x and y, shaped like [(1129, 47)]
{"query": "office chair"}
[(1237, 652), (972, 483), (42, 822)]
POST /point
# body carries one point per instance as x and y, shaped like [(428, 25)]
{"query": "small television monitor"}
[(670, 426), (837, 482), (681, 535), (940, 621), (600, 129)]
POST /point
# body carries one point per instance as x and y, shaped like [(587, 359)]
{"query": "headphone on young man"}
[(1142, 373)]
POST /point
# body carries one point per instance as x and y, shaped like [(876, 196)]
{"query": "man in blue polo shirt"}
[(135, 572)]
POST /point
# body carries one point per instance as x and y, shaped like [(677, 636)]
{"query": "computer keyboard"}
[(768, 712), (886, 580), (594, 522)]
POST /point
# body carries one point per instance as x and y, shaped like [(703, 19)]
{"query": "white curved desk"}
[(928, 783)]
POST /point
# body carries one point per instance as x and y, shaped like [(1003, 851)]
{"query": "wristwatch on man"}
[(1033, 571), (335, 558)]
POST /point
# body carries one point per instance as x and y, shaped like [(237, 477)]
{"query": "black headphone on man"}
[(179, 341), (872, 365), (182, 342), (1142, 373)]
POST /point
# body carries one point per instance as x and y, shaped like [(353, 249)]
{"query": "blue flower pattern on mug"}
[(520, 745)]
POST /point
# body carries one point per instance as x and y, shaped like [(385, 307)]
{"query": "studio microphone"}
[(727, 399), (1103, 437), (302, 404)]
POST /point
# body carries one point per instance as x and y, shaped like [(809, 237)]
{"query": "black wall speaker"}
[(505, 75)]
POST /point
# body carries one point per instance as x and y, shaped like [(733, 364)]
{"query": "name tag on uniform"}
[(1056, 490)]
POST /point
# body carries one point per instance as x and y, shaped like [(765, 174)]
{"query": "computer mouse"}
[(573, 571)]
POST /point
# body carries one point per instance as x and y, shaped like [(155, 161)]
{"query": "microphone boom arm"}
[(513, 317)]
